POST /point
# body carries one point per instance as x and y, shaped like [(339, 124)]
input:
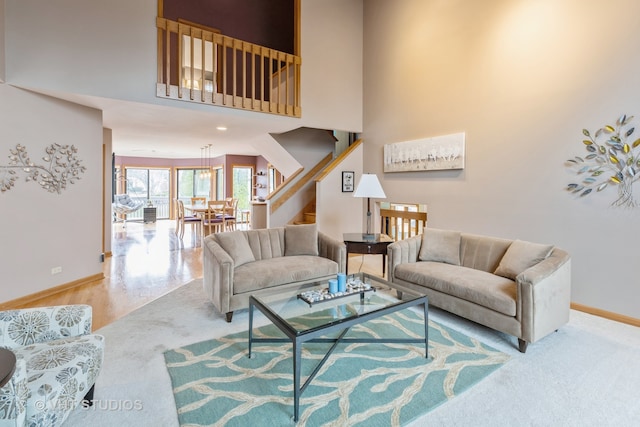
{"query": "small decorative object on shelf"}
[(322, 295)]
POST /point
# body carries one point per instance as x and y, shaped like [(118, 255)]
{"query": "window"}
[(193, 183), (149, 185)]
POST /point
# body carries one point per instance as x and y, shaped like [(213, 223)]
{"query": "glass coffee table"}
[(367, 298)]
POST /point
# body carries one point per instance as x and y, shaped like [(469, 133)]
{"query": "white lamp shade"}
[(369, 186)]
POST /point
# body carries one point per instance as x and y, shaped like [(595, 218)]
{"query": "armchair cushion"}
[(60, 373), (57, 363), (520, 256), (301, 239), (34, 325)]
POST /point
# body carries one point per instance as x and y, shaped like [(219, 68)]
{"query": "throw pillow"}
[(301, 239), (520, 256), (440, 246), (237, 246)]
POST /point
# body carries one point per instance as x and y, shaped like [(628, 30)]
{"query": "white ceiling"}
[(146, 130)]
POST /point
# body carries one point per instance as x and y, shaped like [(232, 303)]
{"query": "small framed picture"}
[(347, 181)]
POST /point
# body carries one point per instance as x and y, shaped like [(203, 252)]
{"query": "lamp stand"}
[(369, 235)]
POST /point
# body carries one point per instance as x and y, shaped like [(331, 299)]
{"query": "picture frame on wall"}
[(435, 153), (347, 181)]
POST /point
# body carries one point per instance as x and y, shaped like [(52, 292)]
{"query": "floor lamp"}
[(369, 187)]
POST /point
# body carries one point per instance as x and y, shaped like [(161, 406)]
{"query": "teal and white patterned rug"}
[(216, 384)]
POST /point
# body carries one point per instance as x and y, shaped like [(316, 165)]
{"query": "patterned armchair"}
[(58, 360)]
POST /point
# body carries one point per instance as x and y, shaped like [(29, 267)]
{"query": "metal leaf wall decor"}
[(611, 160), (61, 167)]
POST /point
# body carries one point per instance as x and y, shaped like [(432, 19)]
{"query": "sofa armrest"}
[(27, 326), (403, 252), (217, 280), (13, 397), (544, 295), (333, 249)]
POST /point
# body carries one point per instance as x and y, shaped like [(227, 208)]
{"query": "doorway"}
[(242, 186)]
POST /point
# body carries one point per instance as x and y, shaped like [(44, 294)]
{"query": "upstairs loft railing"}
[(198, 65), (402, 224)]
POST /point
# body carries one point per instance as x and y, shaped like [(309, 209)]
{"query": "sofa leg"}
[(229, 316), (87, 400), (522, 345)]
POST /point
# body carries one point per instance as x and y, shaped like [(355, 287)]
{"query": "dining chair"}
[(183, 219), (198, 200), (231, 212), (213, 220), (176, 215)]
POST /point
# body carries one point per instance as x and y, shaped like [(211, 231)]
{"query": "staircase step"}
[(308, 218)]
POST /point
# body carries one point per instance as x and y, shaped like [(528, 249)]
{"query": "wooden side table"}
[(7, 365), (358, 243)]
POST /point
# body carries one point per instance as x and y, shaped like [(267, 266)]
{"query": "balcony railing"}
[(161, 204), (203, 66)]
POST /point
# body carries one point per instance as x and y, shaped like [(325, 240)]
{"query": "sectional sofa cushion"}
[(235, 243), (520, 256), (479, 287), (301, 239), (279, 271), (440, 246)]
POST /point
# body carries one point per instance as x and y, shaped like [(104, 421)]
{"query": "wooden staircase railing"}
[(298, 185)]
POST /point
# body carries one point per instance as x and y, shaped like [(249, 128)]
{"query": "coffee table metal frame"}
[(298, 338)]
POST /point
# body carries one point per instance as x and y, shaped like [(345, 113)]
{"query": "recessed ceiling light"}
[(221, 128)]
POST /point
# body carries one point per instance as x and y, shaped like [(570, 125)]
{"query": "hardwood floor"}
[(148, 261)]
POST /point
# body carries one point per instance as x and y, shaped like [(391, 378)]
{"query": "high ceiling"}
[(146, 130)]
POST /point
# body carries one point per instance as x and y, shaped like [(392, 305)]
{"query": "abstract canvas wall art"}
[(435, 153)]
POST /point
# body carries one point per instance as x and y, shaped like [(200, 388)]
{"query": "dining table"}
[(200, 210), (196, 209)]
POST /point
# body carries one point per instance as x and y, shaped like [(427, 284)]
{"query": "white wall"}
[(339, 212), (95, 48), (41, 230), (2, 66), (108, 49), (522, 79), (308, 146), (332, 64)]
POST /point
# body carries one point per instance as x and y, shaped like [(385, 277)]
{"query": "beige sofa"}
[(516, 287), (241, 263)]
